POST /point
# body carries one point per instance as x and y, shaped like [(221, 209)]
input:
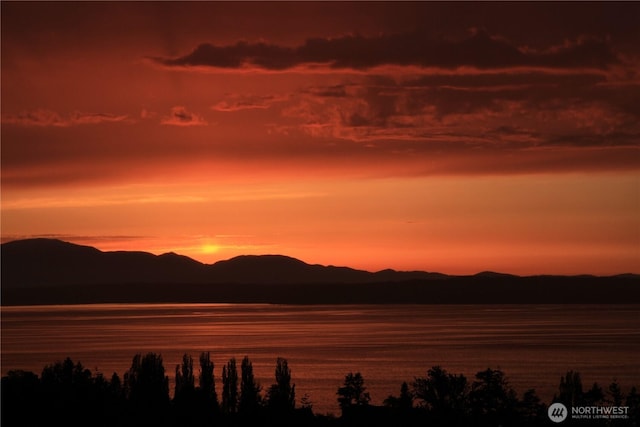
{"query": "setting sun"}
[(209, 248)]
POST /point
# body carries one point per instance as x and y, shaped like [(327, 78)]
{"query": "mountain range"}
[(50, 271)]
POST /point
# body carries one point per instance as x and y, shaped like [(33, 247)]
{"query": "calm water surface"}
[(533, 344)]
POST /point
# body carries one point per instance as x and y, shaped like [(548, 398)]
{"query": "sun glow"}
[(209, 248)]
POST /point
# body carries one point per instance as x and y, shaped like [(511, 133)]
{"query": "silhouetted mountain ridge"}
[(493, 274), (48, 271), (49, 262)]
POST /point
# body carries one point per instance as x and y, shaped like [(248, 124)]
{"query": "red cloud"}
[(512, 107), (237, 102), (43, 117), (180, 116)]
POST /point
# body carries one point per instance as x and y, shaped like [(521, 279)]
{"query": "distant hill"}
[(50, 262), (45, 271)]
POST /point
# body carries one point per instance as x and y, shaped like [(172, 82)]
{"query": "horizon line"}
[(6, 240)]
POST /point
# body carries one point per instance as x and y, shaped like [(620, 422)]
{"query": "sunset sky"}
[(451, 137)]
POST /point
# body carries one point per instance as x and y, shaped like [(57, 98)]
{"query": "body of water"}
[(533, 344)]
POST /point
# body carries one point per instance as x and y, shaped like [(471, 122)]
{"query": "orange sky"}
[(451, 137)]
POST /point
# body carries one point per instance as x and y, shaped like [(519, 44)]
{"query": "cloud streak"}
[(239, 102), (180, 116), (480, 49), (482, 90), (516, 108), (48, 118)]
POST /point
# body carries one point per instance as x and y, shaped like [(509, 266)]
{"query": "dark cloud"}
[(335, 91), (478, 81), (511, 109), (609, 139), (46, 118), (242, 53), (239, 102), (75, 238), (180, 116), (480, 50), (587, 52)]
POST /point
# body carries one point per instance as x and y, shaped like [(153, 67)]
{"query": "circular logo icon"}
[(557, 412)]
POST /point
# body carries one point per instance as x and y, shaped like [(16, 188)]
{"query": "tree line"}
[(67, 393)]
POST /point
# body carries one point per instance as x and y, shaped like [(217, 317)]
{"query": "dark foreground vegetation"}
[(67, 394)]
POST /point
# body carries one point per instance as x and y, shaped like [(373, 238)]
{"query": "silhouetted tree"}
[(282, 395), (250, 399), (21, 394), (615, 393), (441, 392), (570, 390), (530, 409), (115, 402), (353, 392), (186, 407), (146, 383), (68, 394), (306, 403), (185, 386), (207, 380), (68, 391), (106, 401), (66, 374), (594, 396), (116, 385), (230, 387), (633, 402), (402, 403), (492, 400)]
